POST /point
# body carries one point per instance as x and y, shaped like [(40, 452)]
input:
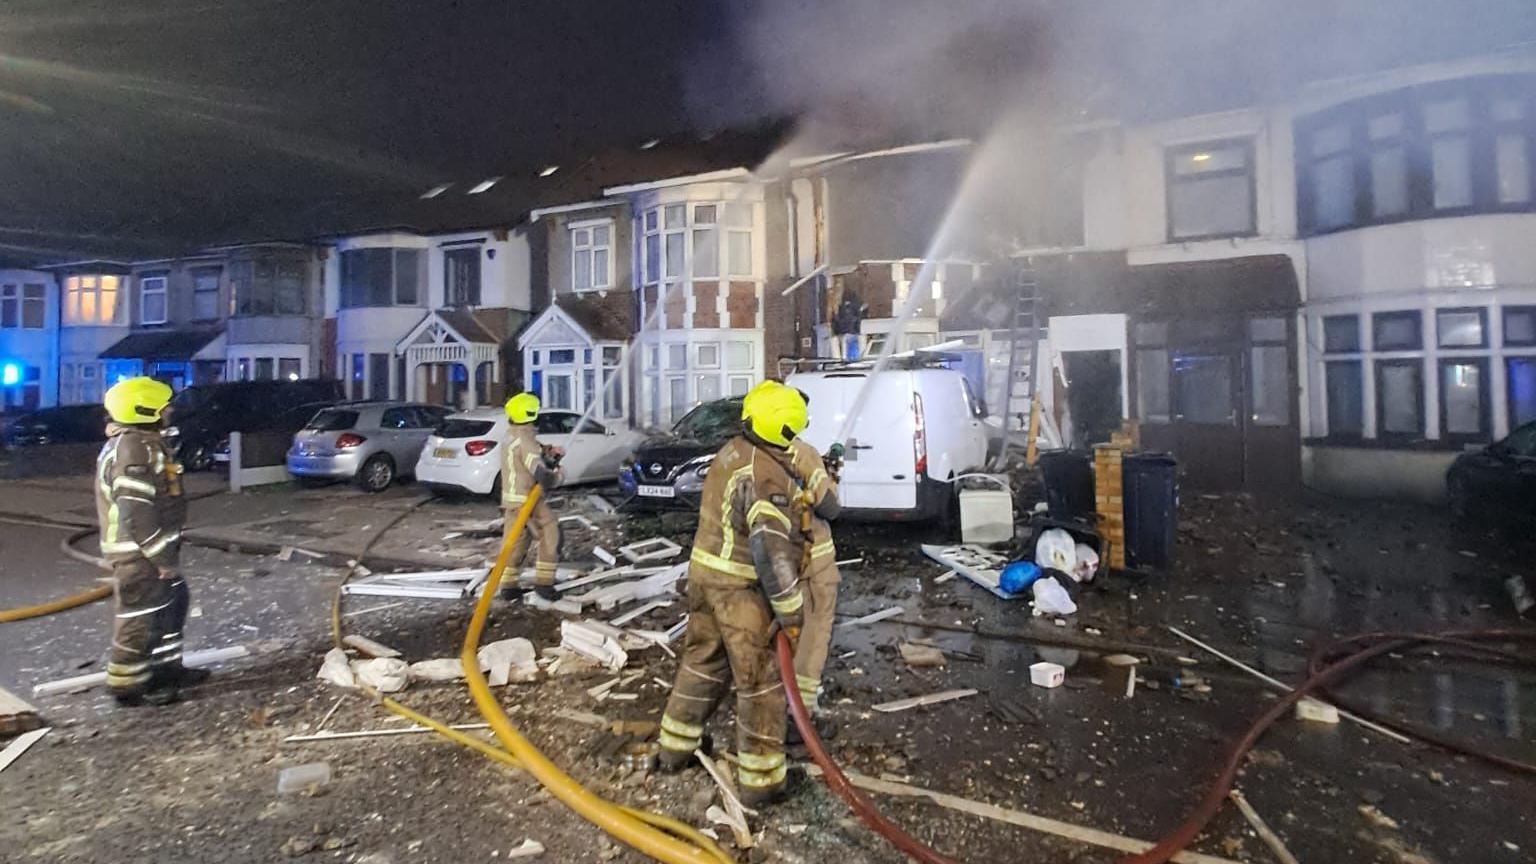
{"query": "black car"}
[(1498, 481), (66, 424), (668, 470), (202, 416)]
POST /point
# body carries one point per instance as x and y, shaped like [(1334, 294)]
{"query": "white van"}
[(918, 429)]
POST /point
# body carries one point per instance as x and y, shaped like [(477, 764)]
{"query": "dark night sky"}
[(139, 127)]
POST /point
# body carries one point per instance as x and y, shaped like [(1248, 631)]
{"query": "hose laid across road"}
[(66, 546)]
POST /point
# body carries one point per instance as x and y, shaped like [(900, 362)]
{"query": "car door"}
[(603, 448), (421, 420), (554, 430), (395, 433)]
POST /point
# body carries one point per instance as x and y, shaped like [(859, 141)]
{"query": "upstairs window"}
[(1445, 149), (1210, 190), (592, 256), (382, 276), (461, 276), (698, 241), (205, 294), (91, 300), (267, 287), (23, 306), (152, 300)]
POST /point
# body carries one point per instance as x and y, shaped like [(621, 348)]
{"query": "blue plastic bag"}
[(1017, 577)]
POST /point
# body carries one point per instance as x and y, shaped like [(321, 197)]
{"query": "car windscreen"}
[(331, 420), (712, 422), (458, 427)]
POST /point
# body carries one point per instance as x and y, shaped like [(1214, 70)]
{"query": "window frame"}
[(1417, 363), (651, 223), (1482, 315), (590, 250), (1171, 155), (1485, 399), (97, 290), (348, 293), (198, 293), (263, 292), (1378, 318), (1504, 326), (1357, 365), (165, 299), (452, 290), (10, 296)]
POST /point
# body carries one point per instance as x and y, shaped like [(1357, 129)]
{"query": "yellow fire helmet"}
[(774, 412), (523, 408), (137, 401)]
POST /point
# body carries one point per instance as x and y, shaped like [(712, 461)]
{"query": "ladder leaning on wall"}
[(1021, 396)]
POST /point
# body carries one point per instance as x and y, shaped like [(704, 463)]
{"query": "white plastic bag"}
[(509, 660), (337, 670), (1087, 563), (384, 674), (1056, 551), (1051, 598)]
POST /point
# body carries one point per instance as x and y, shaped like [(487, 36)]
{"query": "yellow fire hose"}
[(100, 592), (661, 837)]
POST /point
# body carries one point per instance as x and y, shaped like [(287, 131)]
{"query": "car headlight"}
[(699, 466)]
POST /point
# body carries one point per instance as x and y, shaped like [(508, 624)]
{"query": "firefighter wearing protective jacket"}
[(816, 505), (524, 462), (140, 509), (743, 585)]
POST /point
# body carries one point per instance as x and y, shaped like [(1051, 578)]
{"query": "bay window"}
[(383, 276), (694, 240), (268, 287), (690, 367), (1445, 149)]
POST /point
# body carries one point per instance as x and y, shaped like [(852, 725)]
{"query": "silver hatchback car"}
[(369, 442)]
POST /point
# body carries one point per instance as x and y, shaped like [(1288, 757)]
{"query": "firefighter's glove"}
[(790, 623)]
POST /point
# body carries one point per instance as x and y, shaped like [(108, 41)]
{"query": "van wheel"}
[(376, 474)]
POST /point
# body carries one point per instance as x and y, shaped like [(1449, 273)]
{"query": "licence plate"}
[(445, 452), (657, 491)]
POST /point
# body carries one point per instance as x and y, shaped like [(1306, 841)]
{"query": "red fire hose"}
[(1321, 676), (834, 776)]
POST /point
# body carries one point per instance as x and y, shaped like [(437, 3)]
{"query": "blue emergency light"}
[(10, 374)]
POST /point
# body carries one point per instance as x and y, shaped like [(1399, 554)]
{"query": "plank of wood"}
[(890, 612), (733, 806), (375, 733), (16, 714), (1267, 834), (930, 699), (368, 646), (1043, 824), (13, 752), (193, 659)]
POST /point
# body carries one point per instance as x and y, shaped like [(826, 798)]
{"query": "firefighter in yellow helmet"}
[(743, 585), (140, 509), (524, 462), (815, 507)]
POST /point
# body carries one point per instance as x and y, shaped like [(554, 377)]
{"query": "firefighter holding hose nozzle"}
[(743, 587), (525, 462)]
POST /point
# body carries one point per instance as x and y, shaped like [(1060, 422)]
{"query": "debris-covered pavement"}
[(935, 696)]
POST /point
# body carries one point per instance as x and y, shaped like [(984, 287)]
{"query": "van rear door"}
[(879, 467)]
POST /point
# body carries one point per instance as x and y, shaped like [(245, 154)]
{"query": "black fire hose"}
[(834, 776)]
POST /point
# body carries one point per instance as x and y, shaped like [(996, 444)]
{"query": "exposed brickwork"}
[(741, 305), (677, 308), (706, 315)]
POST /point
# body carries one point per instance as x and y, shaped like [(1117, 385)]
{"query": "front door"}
[(1206, 427)]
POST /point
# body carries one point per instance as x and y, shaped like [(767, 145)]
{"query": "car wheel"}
[(1459, 496), (376, 474)]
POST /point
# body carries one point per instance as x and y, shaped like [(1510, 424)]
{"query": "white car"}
[(464, 452)]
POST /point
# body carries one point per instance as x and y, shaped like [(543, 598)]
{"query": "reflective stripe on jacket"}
[(520, 460), (139, 505), (811, 471), (747, 495)]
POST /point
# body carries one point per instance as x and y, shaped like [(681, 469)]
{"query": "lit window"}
[(91, 300), (1210, 190)]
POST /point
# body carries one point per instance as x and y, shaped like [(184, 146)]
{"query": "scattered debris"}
[(1317, 712), (368, 646), (921, 656), (1051, 597), (580, 520), (1260, 827), (979, 565), (441, 670), (193, 660), (947, 576), (850, 562), (13, 751), (379, 608), (600, 504), (529, 849), (302, 778), (1044, 674), (737, 824), (917, 701), (562, 607), (509, 660), (584, 717), (872, 617), (426, 585), (375, 733), (384, 674), (734, 810), (604, 556), (636, 613), (1378, 818), (1022, 819), (336, 669), (1354, 718), (590, 639), (16, 714), (327, 718), (652, 549), (1120, 675)]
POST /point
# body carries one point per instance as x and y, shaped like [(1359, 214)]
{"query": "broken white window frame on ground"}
[(976, 563), (651, 549), (460, 584)]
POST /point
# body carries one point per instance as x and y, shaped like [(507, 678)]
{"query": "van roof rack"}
[(921, 359)]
